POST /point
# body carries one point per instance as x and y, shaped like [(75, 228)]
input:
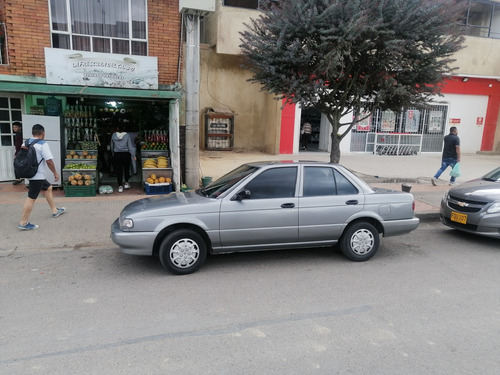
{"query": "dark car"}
[(474, 206), (265, 206)]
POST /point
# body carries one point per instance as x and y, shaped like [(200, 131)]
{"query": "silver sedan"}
[(474, 206), (265, 206)]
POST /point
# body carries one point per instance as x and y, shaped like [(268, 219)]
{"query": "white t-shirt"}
[(42, 152)]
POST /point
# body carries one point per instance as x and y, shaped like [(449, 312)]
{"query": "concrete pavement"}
[(88, 219)]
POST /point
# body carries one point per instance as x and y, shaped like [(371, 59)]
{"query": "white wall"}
[(467, 108)]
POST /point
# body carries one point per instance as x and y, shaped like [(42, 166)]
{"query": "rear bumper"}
[(398, 227)]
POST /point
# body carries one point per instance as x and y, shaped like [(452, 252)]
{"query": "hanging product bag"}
[(455, 172)]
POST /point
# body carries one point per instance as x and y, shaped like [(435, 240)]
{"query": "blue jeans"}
[(445, 163)]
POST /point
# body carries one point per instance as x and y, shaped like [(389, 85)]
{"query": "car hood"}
[(477, 189), (171, 204)]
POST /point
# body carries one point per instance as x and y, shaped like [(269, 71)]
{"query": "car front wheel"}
[(183, 252), (360, 241)]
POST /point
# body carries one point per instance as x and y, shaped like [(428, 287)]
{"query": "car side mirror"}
[(243, 194)]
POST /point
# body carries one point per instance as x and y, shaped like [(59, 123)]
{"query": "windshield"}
[(494, 175), (219, 186)]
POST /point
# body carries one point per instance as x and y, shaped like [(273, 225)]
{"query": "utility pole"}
[(192, 11), (192, 22)]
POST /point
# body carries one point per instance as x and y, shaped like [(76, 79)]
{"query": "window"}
[(248, 4), (108, 26), (324, 181), (318, 181), (482, 19), (273, 183), (3, 45), (10, 111)]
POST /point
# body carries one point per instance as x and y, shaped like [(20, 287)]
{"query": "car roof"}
[(286, 162)]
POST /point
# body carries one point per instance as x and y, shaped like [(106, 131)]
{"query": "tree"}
[(352, 56)]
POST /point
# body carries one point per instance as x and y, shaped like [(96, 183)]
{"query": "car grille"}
[(454, 224), (465, 205)]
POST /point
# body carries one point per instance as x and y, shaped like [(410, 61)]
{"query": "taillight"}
[(413, 206)]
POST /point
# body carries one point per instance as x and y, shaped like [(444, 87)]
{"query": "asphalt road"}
[(427, 303)]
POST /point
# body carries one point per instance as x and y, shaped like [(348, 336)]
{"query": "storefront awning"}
[(87, 91)]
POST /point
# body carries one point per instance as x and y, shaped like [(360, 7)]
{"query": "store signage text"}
[(65, 67)]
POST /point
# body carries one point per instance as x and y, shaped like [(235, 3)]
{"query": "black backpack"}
[(25, 162)]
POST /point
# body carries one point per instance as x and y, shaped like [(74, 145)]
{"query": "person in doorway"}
[(38, 182), (306, 132), (18, 142), (451, 154), (123, 153)]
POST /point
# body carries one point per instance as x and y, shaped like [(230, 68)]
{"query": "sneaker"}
[(452, 183), (28, 226), (120, 189), (126, 186), (59, 212), (434, 181), (17, 182)]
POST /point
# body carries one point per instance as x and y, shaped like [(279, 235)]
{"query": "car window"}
[(344, 186), (318, 181), (273, 183), (216, 188)]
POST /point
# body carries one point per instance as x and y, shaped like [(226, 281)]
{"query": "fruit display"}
[(88, 155), (79, 179), (159, 162), (79, 166), (155, 140), (154, 179)]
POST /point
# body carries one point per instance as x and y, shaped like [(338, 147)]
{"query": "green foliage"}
[(344, 55)]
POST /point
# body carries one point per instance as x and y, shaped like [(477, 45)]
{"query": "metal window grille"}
[(219, 132), (408, 132)]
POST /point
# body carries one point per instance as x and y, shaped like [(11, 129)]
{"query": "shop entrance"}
[(89, 125), (313, 117)]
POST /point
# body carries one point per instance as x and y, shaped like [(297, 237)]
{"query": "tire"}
[(183, 252), (360, 241)]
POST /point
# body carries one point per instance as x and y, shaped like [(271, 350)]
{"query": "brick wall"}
[(28, 31)]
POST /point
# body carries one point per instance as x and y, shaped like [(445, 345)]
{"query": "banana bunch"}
[(162, 162), (149, 163)]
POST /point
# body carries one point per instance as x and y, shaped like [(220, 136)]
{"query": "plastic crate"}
[(152, 189), (80, 190)]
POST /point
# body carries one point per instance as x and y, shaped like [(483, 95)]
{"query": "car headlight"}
[(127, 223), (494, 208)]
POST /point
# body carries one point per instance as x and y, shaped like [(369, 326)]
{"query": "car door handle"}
[(288, 205), (352, 202)]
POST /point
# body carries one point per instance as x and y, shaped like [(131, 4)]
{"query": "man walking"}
[(451, 154), (38, 182)]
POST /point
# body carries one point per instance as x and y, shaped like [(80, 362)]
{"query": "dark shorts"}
[(36, 186)]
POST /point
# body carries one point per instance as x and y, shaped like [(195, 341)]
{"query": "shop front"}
[(79, 123)]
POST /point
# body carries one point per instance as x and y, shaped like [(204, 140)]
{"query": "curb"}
[(426, 217)]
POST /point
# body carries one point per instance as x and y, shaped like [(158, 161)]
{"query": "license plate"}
[(459, 218)]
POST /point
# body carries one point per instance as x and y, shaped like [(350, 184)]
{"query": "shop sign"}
[(479, 121), (363, 125), (412, 120), (455, 121), (69, 67), (435, 121), (388, 121)]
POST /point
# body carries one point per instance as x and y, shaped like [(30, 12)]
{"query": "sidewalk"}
[(88, 219)]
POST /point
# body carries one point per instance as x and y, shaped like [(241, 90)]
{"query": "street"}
[(427, 303)]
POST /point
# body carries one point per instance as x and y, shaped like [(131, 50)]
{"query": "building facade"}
[(93, 65), (470, 101)]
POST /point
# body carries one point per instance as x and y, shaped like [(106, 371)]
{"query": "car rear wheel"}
[(360, 241), (183, 252)]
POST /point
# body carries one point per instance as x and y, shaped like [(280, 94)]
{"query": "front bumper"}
[(134, 243), (480, 223)]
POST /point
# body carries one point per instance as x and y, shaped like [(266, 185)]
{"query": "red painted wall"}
[(287, 128)]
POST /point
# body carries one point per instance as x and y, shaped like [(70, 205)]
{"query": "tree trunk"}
[(335, 150)]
